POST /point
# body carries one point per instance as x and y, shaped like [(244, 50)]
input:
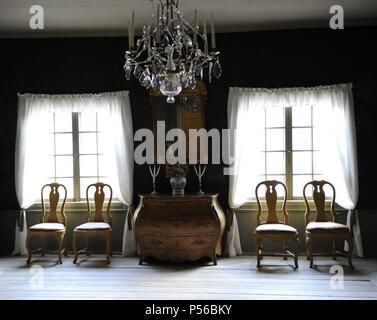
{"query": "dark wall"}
[(254, 59)]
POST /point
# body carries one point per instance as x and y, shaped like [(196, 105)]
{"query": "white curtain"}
[(232, 246), (34, 114), (30, 162), (333, 105)]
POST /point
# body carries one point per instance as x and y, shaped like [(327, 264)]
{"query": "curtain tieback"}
[(352, 219), (20, 220), (130, 216), (229, 219)]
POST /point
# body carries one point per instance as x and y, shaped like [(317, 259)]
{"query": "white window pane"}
[(301, 139), (275, 162), (299, 183), (316, 138), (302, 162), (50, 170), (88, 143), (84, 183), (318, 177), (318, 116), (104, 166), (63, 143), (64, 166), (318, 163), (88, 166), (275, 117), (301, 116), (275, 139), (63, 122), (87, 121), (51, 144), (102, 143), (48, 181), (68, 183)]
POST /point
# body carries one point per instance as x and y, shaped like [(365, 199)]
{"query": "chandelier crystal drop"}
[(171, 53)]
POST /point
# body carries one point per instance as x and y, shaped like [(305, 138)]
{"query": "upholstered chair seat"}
[(275, 227), (48, 227), (326, 227), (93, 226)]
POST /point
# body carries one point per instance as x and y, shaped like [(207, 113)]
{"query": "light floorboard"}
[(233, 278)]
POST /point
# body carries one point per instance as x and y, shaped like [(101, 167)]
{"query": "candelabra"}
[(200, 173), (154, 171)]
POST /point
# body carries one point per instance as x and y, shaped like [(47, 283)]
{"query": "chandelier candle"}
[(158, 25), (196, 30), (171, 54), (129, 35), (133, 30), (205, 37), (213, 37)]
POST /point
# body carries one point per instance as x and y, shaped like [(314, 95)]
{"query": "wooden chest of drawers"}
[(179, 228)]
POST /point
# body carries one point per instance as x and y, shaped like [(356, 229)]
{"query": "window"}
[(77, 155), (290, 148)]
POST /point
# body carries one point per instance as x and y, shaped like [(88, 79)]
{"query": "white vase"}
[(178, 185)]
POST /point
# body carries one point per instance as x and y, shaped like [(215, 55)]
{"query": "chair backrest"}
[(99, 199), (319, 198), (53, 201), (271, 200)]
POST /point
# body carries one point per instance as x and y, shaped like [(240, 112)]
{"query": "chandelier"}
[(171, 54)]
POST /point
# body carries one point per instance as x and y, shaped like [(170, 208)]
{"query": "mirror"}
[(188, 111)]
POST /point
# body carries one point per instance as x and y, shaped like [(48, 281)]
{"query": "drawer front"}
[(180, 243), (176, 226)]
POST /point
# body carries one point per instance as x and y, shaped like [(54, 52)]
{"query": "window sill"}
[(81, 206), (292, 205)]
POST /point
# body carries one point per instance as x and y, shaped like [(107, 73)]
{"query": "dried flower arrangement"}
[(176, 170)]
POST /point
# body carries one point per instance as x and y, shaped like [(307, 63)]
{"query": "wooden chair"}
[(99, 226), (52, 227), (272, 228), (321, 228)]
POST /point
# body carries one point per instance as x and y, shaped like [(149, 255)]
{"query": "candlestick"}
[(154, 173), (195, 28), (213, 37), (200, 173), (205, 37)]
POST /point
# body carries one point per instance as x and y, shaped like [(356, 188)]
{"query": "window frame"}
[(289, 174), (77, 202)]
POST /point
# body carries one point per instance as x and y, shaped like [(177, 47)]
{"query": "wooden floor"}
[(234, 278)]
